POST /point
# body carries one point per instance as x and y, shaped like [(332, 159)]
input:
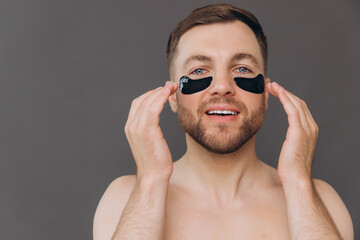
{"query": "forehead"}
[(219, 41)]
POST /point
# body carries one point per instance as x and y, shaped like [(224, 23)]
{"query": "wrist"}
[(298, 184), (152, 182), (163, 174)]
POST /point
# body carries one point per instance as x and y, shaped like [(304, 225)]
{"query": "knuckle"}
[(294, 111), (297, 98), (146, 105), (302, 132), (138, 132), (166, 91), (152, 110), (316, 129), (134, 103), (131, 130), (304, 103)]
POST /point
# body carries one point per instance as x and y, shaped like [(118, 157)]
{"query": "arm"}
[(144, 213), (308, 215), (139, 202), (315, 211)]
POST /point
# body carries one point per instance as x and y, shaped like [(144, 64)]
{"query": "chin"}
[(221, 138), (224, 142)]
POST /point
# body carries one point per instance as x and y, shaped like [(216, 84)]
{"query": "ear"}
[(267, 80), (173, 102)]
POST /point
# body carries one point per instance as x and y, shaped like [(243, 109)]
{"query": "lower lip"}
[(226, 118)]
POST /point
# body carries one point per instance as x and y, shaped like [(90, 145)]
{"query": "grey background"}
[(68, 73)]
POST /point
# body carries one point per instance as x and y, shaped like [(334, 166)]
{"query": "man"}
[(219, 189)]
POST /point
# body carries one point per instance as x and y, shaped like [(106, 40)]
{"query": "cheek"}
[(254, 101), (187, 101)]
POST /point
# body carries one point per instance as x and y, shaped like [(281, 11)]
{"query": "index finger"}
[(140, 100), (137, 101), (154, 104)]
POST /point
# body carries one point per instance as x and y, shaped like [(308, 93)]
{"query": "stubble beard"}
[(227, 139)]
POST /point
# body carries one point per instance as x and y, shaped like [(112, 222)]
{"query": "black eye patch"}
[(253, 85), (190, 86)]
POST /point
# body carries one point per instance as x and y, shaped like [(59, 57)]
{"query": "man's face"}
[(222, 117)]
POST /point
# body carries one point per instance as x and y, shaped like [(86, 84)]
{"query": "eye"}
[(198, 71), (243, 70)]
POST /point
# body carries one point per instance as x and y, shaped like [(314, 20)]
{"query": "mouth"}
[(221, 113)]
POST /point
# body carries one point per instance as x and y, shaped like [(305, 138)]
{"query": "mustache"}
[(223, 100)]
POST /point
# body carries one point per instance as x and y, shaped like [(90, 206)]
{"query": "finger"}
[(312, 124), (305, 115), (138, 101), (135, 105), (271, 89), (152, 106), (297, 102), (291, 110), (154, 98), (135, 127), (307, 120), (301, 106), (172, 88)]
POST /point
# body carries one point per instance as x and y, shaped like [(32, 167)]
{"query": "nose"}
[(222, 84)]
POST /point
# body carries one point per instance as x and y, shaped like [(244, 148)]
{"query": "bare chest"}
[(260, 220)]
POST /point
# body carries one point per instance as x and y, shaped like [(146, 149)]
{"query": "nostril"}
[(223, 85)]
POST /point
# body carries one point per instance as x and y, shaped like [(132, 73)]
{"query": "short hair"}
[(215, 13)]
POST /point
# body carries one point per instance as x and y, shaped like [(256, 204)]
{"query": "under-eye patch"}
[(190, 86), (253, 85)]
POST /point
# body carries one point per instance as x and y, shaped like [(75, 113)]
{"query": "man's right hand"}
[(149, 148)]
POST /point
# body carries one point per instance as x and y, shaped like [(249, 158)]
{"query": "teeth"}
[(223, 112)]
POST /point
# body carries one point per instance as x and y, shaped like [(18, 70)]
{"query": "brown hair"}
[(215, 13)]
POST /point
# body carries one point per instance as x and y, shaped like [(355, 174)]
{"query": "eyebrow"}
[(200, 58), (241, 56), (235, 58)]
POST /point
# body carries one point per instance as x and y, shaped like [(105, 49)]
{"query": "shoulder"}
[(111, 205), (336, 208)]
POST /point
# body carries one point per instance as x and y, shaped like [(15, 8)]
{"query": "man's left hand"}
[(297, 152)]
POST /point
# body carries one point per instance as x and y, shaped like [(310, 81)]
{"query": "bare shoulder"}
[(111, 205), (336, 207)]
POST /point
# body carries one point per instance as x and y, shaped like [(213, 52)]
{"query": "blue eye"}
[(243, 70), (198, 71)]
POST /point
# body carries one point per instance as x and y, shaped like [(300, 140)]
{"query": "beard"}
[(227, 139)]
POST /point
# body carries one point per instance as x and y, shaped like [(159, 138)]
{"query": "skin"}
[(204, 195)]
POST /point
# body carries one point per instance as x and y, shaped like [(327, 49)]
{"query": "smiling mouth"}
[(222, 113)]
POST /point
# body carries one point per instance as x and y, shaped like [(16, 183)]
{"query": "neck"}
[(222, 176)]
